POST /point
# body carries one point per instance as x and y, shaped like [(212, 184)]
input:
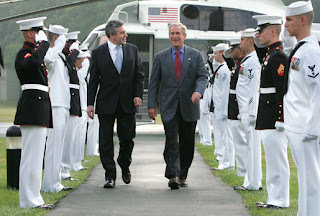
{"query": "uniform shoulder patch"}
[(280, 70), (27, 55)]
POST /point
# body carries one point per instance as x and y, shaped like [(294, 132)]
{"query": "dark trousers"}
[(179, 147), (126, 130)]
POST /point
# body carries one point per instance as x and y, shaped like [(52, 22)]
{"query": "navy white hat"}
[(249, 32), (220, 47), (297, 8), (32, 24), (73, 35), (58, 29)]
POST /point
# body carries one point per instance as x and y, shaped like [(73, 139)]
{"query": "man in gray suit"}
[(179, 76)]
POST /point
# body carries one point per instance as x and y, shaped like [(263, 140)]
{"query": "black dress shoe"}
[(66, 188), (126, 177), (173, 183), (70, 179), (269, 206), (260, 203), (110, 184), (237, 187), (183, 183), (49, 206)]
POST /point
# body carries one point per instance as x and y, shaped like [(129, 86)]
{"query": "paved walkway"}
[(148, 193)]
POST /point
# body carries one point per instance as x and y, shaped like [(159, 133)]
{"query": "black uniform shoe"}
[(110, 184), (173, 183), (67, 188), (49, 206), (126, 177), (269, 206), (70, 179)]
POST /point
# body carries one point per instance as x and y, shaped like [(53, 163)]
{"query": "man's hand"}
[(279, 126), (195, 97), (152, 113), (309, 137), (90, 111), (137, 101)]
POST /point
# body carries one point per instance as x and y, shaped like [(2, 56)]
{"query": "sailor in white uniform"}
[(60, 99), (82, 65), (302, 105), (247, 92), (220, 97)]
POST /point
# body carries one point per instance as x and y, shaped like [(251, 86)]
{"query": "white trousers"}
[(52, 163), (218, 137), (306, 156), (240, 145), (204, 128), (277, 167), (80, 140), (33, 144), (69, 146), (93, 136), (227, 152), (253, 177)]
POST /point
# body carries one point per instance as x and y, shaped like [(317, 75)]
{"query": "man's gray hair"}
[(183, 27), (111, 27)]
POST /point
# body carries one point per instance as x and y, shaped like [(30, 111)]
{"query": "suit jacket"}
[(164, 84), (34, 107), (115, 88)]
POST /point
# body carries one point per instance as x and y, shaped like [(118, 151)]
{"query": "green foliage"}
[(9, 198), (251, 197)]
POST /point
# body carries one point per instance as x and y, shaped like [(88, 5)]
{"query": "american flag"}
[(164, 15)]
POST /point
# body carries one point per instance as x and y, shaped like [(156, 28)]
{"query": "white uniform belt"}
[(270, 90), (232, 91), (35, 86), (74, 86)]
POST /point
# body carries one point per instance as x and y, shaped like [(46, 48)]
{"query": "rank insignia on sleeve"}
[(27, 55), (313, 75), (280, 70), (295, 63)]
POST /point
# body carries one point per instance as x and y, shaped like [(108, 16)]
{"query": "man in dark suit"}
[(180, 76), (116, 68)]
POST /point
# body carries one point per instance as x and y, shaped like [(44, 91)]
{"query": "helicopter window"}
[(204, 18)]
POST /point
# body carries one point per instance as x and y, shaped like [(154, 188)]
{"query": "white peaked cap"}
[(82, 54), (84, 47), (73, 35), (297, 8), (87, 54), (249, 32), (266, 19), (220, 47), (58, 29), (28, 24)]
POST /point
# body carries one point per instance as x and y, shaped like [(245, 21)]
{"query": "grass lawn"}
[(251, 197), (9, 198), (7, 110)]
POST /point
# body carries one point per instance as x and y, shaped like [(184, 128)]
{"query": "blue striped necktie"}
[(118, 61)]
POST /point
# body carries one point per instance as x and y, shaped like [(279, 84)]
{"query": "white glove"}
[(85, 63), (74, 45), (224, 117), (239, 117), (309, 137), (61, 40), (41, 36), (279, 126), (251, 119)]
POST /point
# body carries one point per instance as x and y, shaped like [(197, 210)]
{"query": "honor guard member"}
[(204, 127), (71, 51), (60, 99), (82, 65), (270, 113), (247, 92), (220, 97), (302, 105), (237, 135), (34, 113)]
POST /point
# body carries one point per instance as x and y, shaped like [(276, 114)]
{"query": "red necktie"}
[(178, 65)]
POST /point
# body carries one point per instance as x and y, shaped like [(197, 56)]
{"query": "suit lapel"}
[(109, 59), (169, 62), (185, 63)]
